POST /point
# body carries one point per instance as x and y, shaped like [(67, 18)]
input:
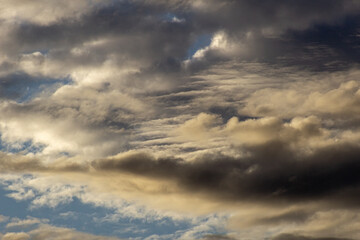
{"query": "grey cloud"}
[(296, 216), (298, 237), (126, 34), (138, 30), (271, 173), (247, 13), (45, 12), (322, 37), (19, 163), (128, 63), (322, 47), (217, 237)]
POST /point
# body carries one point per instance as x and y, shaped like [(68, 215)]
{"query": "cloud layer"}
[(243, 113)]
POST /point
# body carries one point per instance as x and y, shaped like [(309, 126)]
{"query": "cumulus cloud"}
[(341, 101)]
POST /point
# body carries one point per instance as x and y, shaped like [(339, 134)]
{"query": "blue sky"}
[(90, 217)]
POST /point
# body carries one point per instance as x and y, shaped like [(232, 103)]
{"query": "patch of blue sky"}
[(21, 147), (66, 154), (89, 218), (169, 17), (201, 42), (109, 221), (10, 207), (23, 87), (172, 18), (81, 218), (42, 86)]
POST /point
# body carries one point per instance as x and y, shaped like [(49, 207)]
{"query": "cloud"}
[(16, 236), (280, 152), (339, 102), (52, 128), (3, 218), (45, 231), (269, 172), (297, 237), (119, 98), (50, 11), (69, 42), (292, 216), (233, 181), (219, 237), (257, 131), (19, 224), (264, 14), (198, 128)]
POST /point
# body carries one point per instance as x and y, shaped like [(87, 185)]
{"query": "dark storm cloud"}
[(320, 47), (297, 237), (249, 14), (325, 43), (141, 31), (273, 172), (316, 35), (126, 34)]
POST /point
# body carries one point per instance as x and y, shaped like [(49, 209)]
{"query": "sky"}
[(179, 119)]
